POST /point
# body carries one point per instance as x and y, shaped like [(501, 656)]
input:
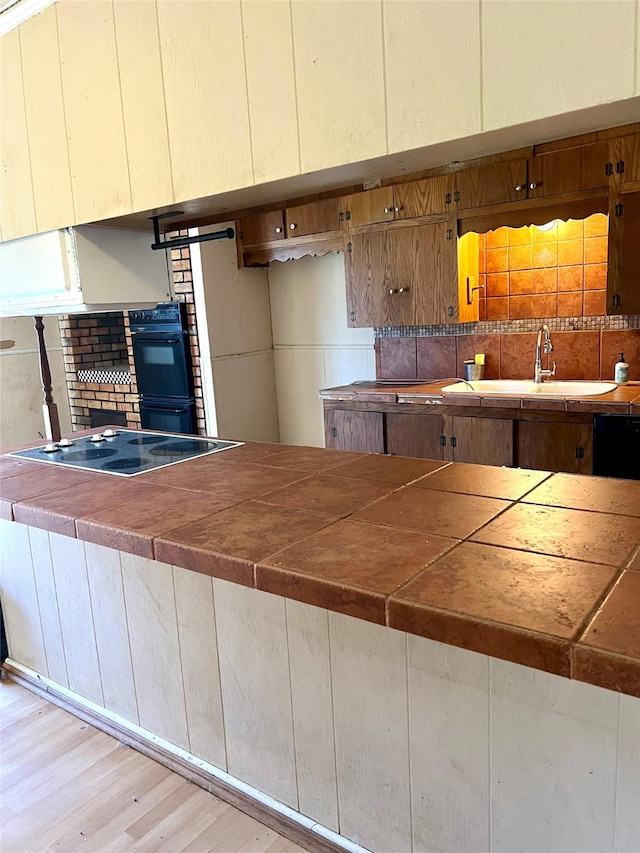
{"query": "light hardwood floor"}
[(67, 787)]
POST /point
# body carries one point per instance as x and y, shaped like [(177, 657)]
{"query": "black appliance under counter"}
[(124, 452)]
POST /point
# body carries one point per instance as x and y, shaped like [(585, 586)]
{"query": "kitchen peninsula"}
[(410, 653)]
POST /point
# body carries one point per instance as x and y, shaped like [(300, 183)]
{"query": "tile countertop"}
[(625, 399), (536, 568)]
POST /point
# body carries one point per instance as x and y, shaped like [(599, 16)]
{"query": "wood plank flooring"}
[(67, 787)]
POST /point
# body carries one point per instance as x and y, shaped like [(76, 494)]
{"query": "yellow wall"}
[(112, 107)]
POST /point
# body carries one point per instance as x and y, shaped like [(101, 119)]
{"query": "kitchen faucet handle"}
[(553, 371)]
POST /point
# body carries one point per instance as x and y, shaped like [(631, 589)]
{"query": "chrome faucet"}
[(539, 374)]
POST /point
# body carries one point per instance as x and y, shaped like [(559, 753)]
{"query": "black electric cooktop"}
[(125, 452)]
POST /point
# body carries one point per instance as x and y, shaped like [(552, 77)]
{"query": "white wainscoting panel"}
[(155, 652), (256, 693), (76, 617), (369, 673), (48, 603), (308, 640), (200, 667), (554, 742), (448, 704), (245, 396), (111, 629), (20, 597), (627, 827)]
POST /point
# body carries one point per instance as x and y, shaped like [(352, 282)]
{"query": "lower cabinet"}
[(346, 429), (554, 446), (542, 445)]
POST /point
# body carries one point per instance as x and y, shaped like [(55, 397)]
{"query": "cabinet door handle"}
[(398, 209), (519, 188), (293, 226), (393, 290), (403, 290), (388, 209), (533, 185), (278, 230)]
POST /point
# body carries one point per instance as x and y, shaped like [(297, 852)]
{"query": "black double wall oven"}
[(162, 357)]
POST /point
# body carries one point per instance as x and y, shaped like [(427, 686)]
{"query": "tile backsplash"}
[(586, 354), (556, 271)]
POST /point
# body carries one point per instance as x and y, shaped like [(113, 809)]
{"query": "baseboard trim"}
[(313, 836)]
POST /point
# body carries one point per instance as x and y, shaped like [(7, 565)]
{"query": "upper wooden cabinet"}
[(403, 276), (494, 184), (369, 207), (569, 170), (623, 293), (313, 218), (261, 228), (423, 198), (630, 163)]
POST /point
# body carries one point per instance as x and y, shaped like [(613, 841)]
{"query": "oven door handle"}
[(158, 406), (156, 340)]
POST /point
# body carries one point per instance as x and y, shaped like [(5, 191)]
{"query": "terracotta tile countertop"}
[(624, 399), (536, 568)]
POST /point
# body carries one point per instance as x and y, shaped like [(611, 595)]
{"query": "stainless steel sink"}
[(527, 388)]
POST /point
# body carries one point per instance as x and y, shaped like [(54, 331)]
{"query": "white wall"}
[(314, 349), (234, 326), (21, 396)]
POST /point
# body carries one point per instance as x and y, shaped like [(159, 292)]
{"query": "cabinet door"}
[(484, 441), (554, 446), (372, 206), (262, 228), (313, 218), (428, 259), (494, 184), (569, 170), (623, 291), (631, 159), (350, 430), (423, 198), (415, 435), (374, 281)]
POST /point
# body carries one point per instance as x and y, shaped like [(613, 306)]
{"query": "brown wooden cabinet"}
[(261, 228), (346, 429), (415, 435), (554, 446), (569, 170), (369, 207), (485, 441), (493, 184), (423, 198), (630, 163), (404, 276), (313, 218), (623, 291)]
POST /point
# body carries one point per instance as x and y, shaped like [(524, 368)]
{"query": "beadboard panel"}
[(48, 604), (200, 667), (111, 630), (556, 742), (254, 672), (532, 69), (448, 703), (145, 118), (308, 642), (17, 210), (20, 598), (45, 121), (268, 45), (627, 820), (432, 52), (369, 673), (339, 82), (93, 110), (155, 650), (76, 616), (206, 96)]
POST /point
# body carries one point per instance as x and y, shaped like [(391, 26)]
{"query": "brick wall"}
[(101, 341)]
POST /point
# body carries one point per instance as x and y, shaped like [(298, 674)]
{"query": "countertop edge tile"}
[(118, 538), (535, 650), (6, 509), (318, 592), (223, 566), (45, 519), (606, 669)]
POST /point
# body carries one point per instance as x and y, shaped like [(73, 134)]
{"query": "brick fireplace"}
[(98, 358)]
